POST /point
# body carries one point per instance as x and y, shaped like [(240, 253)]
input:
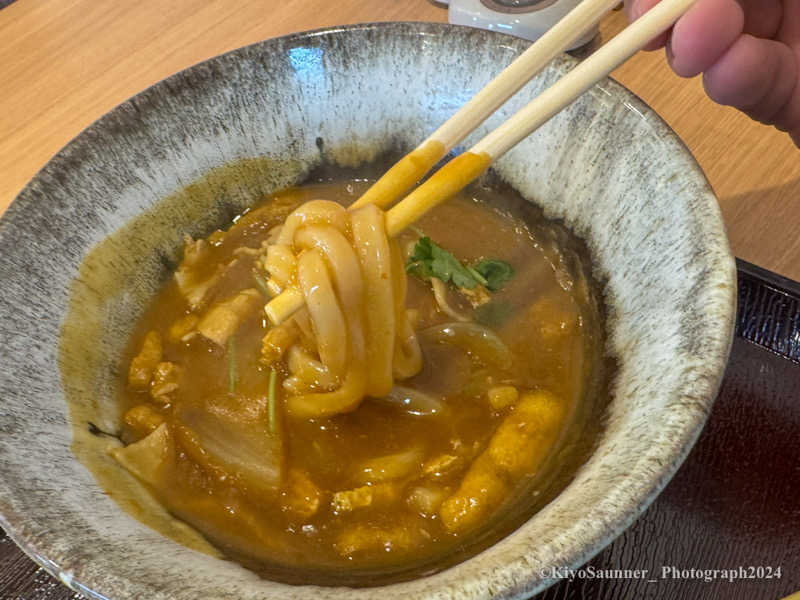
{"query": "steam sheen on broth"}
[(487, 409)]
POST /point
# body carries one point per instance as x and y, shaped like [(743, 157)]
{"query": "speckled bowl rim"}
[(641, 493)]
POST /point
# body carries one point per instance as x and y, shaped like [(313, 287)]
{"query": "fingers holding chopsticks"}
[(700, 37), (747, 50)]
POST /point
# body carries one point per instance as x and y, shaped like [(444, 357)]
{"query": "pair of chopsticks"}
[(460, 171)]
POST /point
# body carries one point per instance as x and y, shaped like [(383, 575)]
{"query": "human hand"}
[(747, 50)]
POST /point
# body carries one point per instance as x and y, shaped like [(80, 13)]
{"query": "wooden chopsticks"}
[(457, 173), (410, 169)]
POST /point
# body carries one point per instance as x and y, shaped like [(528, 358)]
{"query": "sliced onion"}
[(233, 441), (440, 294), (412, 402), (474, 339)]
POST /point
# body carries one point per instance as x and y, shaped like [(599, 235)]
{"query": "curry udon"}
[(434, 391)]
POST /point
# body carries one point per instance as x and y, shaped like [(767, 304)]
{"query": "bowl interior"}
[(80, 262)]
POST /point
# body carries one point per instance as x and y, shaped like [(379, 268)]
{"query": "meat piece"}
[(481, 491), (165, 381), (146, 458), (224, 318), (182, 329), (144, 363), (391, 466), (364, 496), (477, 296), (301, 497), (142, 420), (524, 438), (192, 276), (401, 537), (554, 318), (442, 466), (502, 396)]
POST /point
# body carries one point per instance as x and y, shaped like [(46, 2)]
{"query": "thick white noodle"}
[(314, 212), (281, 264), (311, 372), (407, 356), (372, 247), (340, 257), (354, 283), (327, 318)]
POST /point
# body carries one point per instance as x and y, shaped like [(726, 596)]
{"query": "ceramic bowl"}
[(89, 240)]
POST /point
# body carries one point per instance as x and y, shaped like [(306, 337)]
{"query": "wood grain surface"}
[(66, 62)]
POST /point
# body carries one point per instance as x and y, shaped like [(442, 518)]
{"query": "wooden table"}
[(63, 63)]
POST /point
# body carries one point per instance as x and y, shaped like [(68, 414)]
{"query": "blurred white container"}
[(528, 19)]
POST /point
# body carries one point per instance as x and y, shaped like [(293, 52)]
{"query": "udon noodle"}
[(353, 279)]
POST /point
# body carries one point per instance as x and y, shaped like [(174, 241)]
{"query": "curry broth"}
[(548, 315)]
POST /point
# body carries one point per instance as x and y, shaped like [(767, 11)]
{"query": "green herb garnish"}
[(431, 260), (272, 401), (230, 352), (495, 272)]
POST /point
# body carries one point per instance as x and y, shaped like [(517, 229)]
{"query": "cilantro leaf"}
[(495, 272), (419, 263), (429, 259)]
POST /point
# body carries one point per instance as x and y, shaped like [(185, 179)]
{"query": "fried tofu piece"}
[(481, 491), (525, 437), (301, 498), (350, 500), (363, 497), (142, 420), (224, 318), (401, 537), (165, 381), (518, 446), (146, 458), (183, 329), (144, 363)]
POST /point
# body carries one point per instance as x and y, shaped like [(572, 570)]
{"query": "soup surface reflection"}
[(502, 413)]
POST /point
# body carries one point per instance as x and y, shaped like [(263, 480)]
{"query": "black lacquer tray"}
[(726, 527)]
